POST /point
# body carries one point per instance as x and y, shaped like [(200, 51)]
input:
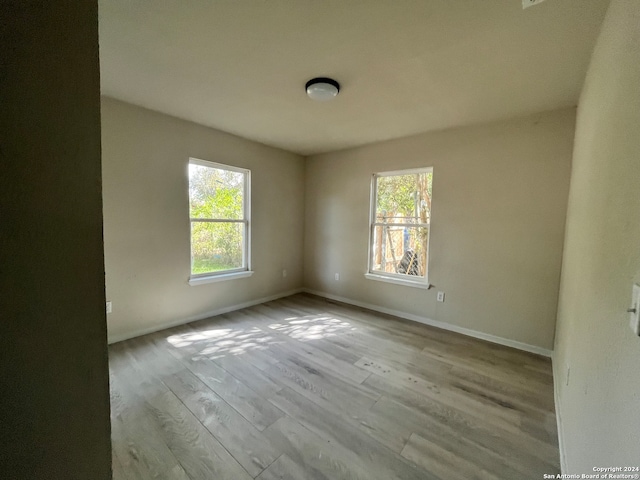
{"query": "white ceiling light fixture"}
[(322, 89)]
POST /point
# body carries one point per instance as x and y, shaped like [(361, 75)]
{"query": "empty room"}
[(286, 239)]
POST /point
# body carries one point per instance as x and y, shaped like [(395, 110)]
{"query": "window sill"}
[(219, 278), (398, 281)]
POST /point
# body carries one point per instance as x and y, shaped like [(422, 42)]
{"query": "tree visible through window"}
[(218, 208), (400, 219)]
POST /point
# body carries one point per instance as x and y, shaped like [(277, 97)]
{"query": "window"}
[(219, 201), (399, 233)]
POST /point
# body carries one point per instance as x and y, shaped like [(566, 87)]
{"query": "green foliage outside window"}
[(216, 194), (405, 196)]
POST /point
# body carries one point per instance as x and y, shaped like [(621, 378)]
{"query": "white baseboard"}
[(408, 316), (556, 378), (434, 323), (202, 316)]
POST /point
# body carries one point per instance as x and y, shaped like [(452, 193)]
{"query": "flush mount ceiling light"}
[(322, 89)]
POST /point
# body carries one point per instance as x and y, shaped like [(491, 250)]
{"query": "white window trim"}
[(220, 277), (395, 278), (231, 274), (398, 281)]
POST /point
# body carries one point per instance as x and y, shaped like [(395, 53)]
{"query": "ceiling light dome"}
[(322, 89)]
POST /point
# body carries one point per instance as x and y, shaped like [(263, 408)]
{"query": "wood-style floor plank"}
[(201, 456), (315, 454), (519, 447), (118, 472), (241, 439), (444, 463), (337, 429), (500, 414), (475, 445), (176, 473), (250, 403), (306, 388), (286, 469), (139, 446)]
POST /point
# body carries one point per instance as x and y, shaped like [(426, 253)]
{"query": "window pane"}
[(216, 246), (404, 199), (401, 250), (215, 193)]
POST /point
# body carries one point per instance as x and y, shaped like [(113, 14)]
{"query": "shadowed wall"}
[(54, 399)]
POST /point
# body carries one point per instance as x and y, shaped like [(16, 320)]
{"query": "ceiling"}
[(405, 66)]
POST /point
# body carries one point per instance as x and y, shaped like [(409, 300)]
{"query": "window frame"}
[(232, 273), (389, 277)]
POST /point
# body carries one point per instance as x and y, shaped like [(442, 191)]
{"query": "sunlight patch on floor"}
[(312, 327), (216, 343)]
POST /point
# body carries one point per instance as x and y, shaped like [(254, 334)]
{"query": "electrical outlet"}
[(284, 273), (634, 310), (109, 308), (530, 3), (441, 296), (337, 277)]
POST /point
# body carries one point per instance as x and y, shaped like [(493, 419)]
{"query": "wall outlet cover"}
[(634, 310), (441, 296), (109, 307)]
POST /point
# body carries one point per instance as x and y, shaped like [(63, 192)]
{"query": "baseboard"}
[(397, 313), (556, 397), (202, 316), (434, 323)]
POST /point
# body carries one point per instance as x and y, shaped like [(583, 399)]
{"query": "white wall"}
[(146, 221), (600, 407), (499, 203)]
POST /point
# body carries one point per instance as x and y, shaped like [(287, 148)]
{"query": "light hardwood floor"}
[(304, 388)]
